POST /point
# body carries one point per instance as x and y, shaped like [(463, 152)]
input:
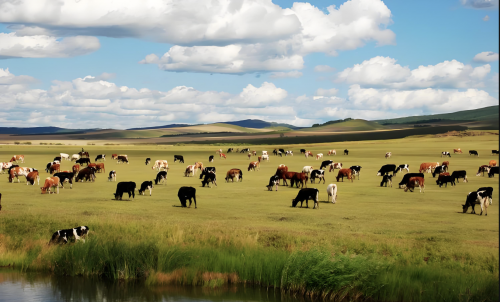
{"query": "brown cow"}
[(493, 163), (16, 158), (76, 169), (254, 166), (92, 165), (84, 153), (19, 171), (427, 167), (234, 173), (100, 167), (483, 169), (281, 169), (345, 173), (51, 182), (254, 152), (122, 159), (86, 174), (414, 181), (308, 153), (55, 168), (222, 155), (114, 156), (299, 178), (457, 150), (32, 177)]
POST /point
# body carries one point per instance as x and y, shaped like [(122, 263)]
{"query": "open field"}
[(384, 234)]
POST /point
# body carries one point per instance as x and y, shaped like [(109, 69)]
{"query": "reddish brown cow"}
[(86, 174), (345, 173), (51, 182), (55, 168), (254, 166), (447, 164), (457, 150), (76, 169), (16, 158), (100, 167), (222, 155), (32, 177), (299, 178), (415, 181), (92, 166), (114, 156), (285, 176), (427, 167)]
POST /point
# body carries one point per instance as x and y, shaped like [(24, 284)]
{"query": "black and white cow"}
[(459, 174), (445, 153), (493, 171), (185, 194), (325, 164), (179, 158), (211, 159), (57, 158), (473, 152), (229, 150), (386, 180), (64, 235), (407, 177), (125, 187), (385, 169), (206, 170), (273, 181), (49, 164), (356, 170), (210, 178), (304, 195), (275, 152), (245, 150), (444, 180), (146, 185), (346, 152), (317, 174), (112, 176), (65, 177), (82, 161), (489, 192), (404, 167), (161, 177), (100, 156), (289, 152), (439, 170), (474, 198), (494, 151), (148, 160)]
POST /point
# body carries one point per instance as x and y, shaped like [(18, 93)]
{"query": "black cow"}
[(387, 179), (281, 150), (210, 158), (444, 180), (179, 158), (229, 150), (206, 170), (407, 177), (459, 174), (161, 176), (64, 235), (473, 152), (494, 151), (474, 198), (325, 164), (100, 156), (346, 152), (439, 170), (493, 171), (403, 167), (83, 160), (273, 181), (356, 170), (185, 194), (489, 192), (58, 158), (148, 160), (125, 187), (306, 194), (385, 169), (65, 176), (319, 174), (146, 185), (302, 151), (210, 177)]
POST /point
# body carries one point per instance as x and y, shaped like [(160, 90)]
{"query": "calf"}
[(51, 182), (492, 171), (386, 169), (64, 235), (234, 173), (125, 187), (210, 177), (100, 156), (414, 181), (444, 180), (445, 153), (206, 170), (148, 160), (49, 164), (474, 198), (82, 161), (388, 155), (403, 167), (407, 177), (331, 190), (254, 166), (112, 176), (185, 194), (211, 159), (473, 152), (386, 180), (273, 181), (179, 158), (161, 177), (65, 177), (306, 194), (317, 174), (345, 173), (32, 177), (459, 174), (346, 152), (146, 185), (356, 170)]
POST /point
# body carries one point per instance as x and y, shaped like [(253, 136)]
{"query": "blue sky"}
[(374, 77)]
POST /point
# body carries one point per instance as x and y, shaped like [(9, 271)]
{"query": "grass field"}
[(374, 242)]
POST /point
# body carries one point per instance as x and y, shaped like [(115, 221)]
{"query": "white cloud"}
[(290, 74), (376, 71), (480, 4), (41, 46), (267, 94), (486, 57), (326, 92), (323, 68), (486, 18)]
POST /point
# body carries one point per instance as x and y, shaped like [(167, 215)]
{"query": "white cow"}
[(307, 169), (75, 157), (332, 152), (160, 164), (388, 154), (189, 170), (264, 152), (64, 156), (5, 166), (332, 191), (265, 157), (319, 155)]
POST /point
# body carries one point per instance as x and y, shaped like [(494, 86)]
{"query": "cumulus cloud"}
[(480, 4), (323, 68), (486, 18), (486, 57), (42, 46), (290, 74)]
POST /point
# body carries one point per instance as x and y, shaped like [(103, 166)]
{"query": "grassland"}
[(374, 243)]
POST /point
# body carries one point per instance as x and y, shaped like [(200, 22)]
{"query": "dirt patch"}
[(465, 133)]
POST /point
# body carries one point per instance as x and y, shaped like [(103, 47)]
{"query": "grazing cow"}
[(75, 157), (87, 174), (489, 192), (457, 150), (85, 153), (218, 151), (346, 152), (332, 152), (206, 170), (307, 169), (179, 158), (474, 198), (99, 167), (289, 152), (326, 163), (211, 159), (439, 170), (75, 169), (189, 170), (459, 174), (17, 158), (254, 166), (440, 177), (331, 190), (264, 153), (65, 177), (356, 170), (406, 178), (473, 152), (302, 151), (112, 176), (317, 174), (222, 155), (413, 182), (148, 160), (445, 179), (198, 165), (229, 150), (5, 166), (122, 159), (388, 154), (482, 169), (299, 178), (492, 171), (160, 164), (445, 153), (387, 179), (146, 185), (386, 169), (234, 173), (64, 156), (32, 177), (273, 181), (161, 177), (286, 175), (82, 161), (334, 166), (125, 187), (427, 167), (345, 173), (185, 194), (49, 164), (319, 155), (265, 157), (308, 153), (64, 235), (245, 150), (100, 156), (114, 156), (306, 194), (18, 171), (254, 153), (210, 177), (275, 152), (494, 151), (51, 182), (492, 163), (281, 170), (57, 158), (403, 167), (446, 164), (281, 150), (280, 153)]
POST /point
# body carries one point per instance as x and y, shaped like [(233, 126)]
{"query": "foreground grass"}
[(375, 243)]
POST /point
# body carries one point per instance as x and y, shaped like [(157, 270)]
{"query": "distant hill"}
[(260, 124), (482, 114), (346, 125), (41, 130), (163, 127)]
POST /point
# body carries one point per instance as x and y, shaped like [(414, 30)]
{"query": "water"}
[(24, 287)]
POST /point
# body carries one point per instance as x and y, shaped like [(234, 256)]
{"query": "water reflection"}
[(16, 286)]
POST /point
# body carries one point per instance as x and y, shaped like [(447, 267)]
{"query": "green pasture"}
[(396, 237)]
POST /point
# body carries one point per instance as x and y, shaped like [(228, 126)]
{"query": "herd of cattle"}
[(409, 182)]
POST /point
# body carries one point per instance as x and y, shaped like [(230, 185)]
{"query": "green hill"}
[(348, 125)]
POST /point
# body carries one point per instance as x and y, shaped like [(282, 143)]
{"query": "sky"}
[(125, 64)]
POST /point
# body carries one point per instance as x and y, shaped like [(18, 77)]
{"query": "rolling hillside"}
[(351, 125)]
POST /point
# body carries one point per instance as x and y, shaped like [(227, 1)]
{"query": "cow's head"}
[(465, 207), (294, 203)]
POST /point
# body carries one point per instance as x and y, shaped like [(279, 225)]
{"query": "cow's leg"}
[(150, 190), (307, 202)]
